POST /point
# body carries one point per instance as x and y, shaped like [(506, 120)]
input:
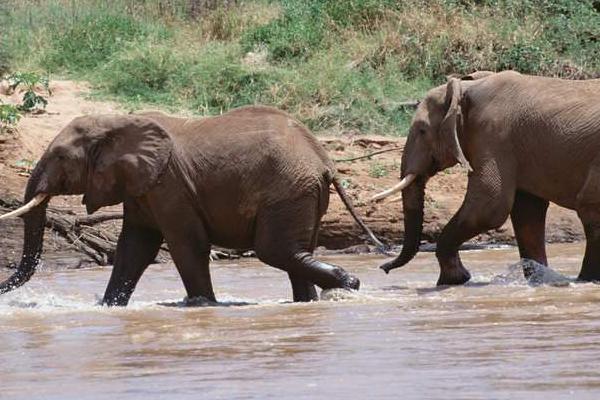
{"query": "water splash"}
[(338, 294), (530, 272)]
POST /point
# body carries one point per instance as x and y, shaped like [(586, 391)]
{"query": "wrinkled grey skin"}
[(526, 141), (251, 178)]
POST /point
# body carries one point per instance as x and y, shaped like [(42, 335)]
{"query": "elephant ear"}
[(449, 126), (127, 158)]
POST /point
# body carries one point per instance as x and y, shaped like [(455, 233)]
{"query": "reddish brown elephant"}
[(526, 141), (251, 178)]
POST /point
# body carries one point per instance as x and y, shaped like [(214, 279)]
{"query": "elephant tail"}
[(382, 248)]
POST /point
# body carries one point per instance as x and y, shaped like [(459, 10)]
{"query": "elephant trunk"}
[(413, 201), (35, 221)]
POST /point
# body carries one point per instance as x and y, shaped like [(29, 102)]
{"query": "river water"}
[(398, 338)]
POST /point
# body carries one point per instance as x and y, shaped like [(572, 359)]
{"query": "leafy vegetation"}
[(30, 80), (339, 66), (9, 116), (377, 170)]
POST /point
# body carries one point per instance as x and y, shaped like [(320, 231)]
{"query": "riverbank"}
[(362, 178)]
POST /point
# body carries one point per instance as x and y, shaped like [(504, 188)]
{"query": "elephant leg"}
[(302, 289), (590, 269), (284, 239), (588, 210), (487, 204), (528, 216), (136, 249), (191, 254), (188, 242)]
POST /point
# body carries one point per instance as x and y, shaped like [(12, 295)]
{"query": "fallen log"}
[(98, 243)]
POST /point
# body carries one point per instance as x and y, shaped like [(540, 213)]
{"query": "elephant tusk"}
[(404, 183), (26, 208)]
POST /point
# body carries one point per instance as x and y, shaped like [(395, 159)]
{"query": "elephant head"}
[(106, 158), (432, 145)]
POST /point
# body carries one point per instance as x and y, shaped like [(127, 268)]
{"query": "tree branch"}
[(367, 155)]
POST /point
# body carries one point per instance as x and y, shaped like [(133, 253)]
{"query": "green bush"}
[(361, 14), (295, 34), (4, 60), (304, 25), (92, 40), (524, 57), (30, 81), (210, 80), (219, 82), (9, 116), (140, 72)]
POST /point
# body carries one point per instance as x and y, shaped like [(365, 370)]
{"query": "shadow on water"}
[(442, 288), (393, 288), (204, 302)]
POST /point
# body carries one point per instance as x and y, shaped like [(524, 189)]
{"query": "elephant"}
[(252, 178), (525, 141)]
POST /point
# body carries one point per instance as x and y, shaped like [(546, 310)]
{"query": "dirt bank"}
[(363, 178)]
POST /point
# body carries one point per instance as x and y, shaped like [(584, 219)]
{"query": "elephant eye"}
[(422, 131)]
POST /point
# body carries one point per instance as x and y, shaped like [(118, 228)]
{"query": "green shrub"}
[(377, 170), (4, 60), (524, 57), (574, 33), (140, 72), (361, 14), (92, 40), (295, 34), (30, 81), (210, 80), (304, 25), (9, 116), (216, 90)]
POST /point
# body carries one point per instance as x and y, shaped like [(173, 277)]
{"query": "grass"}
[(339, 66), (377, 170)]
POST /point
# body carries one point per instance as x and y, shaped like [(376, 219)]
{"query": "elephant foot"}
[(116, 298), (454, 276), (198, 301), (583, 278), (305, 294), (352, 282)]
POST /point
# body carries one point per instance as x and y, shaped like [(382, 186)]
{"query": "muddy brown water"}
[(497, 338)]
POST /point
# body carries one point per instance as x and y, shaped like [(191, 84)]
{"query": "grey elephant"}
[(526, 141), (251, 178)]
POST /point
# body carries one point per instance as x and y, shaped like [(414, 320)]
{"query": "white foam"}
[(539, 274)]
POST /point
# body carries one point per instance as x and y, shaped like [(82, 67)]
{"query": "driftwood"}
[(368, 155), (82, 232), (98, 243)]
